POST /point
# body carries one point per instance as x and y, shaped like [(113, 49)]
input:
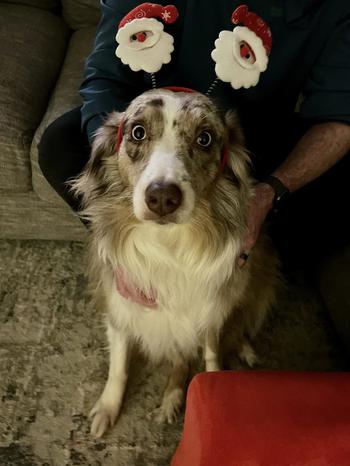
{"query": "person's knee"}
[(49, 148), (64, 149), (63, 146)]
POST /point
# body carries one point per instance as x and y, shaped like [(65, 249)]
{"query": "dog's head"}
[(168, 159)]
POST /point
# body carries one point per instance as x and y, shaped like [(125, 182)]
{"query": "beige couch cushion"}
[(81, 13), (24, 216), (32, 48), (51, 5), (64, 98)]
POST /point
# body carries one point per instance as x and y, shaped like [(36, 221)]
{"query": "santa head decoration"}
[(143, 43), (242, 54)]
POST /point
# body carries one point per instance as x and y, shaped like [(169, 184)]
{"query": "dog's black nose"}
[(163, 198)]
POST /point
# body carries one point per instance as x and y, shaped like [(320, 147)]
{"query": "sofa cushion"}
[(81, 13), (32, 48), (64, 98), (51, 5), (266, 419), (25, 216)]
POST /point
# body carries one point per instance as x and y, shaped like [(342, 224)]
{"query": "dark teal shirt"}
[(310, 57)]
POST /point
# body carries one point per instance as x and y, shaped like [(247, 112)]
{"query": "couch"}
[(43, 44)]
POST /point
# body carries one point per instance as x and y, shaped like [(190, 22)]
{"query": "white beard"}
[(228, 68), (148, 59)]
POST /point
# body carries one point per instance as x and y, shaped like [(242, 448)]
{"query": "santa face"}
[(240, 57), (143, 45)]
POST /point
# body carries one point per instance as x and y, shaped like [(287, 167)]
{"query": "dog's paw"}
[(248, 355), (170, 407), (103, 417), (212, 366)]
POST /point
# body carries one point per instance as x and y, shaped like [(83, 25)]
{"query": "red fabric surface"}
[(266, 419)]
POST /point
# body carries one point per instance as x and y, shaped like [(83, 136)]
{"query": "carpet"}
[(53, 362)]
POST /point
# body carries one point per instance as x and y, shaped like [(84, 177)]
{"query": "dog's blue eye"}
[(138, 133), (204, 139)]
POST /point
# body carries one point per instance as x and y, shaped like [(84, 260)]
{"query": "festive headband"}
[(240, 55)]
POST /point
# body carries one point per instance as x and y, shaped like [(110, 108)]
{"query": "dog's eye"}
[(138, 133), (204, 139)]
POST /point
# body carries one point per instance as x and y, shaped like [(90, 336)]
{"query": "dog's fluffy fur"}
[(188, 256)]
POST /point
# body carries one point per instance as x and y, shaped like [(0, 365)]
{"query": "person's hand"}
[(259, 206)]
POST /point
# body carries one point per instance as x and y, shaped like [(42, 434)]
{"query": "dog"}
[(166, 193)]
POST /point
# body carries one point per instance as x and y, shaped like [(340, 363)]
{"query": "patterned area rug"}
[(53, 363)]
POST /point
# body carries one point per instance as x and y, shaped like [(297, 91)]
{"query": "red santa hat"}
[(257, 34), (168, 14)]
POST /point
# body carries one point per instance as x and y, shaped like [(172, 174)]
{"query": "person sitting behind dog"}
[(305, 151)]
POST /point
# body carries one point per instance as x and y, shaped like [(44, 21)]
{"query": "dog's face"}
[(170, 154)]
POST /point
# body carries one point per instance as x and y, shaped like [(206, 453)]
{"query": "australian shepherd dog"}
[(166, 193)]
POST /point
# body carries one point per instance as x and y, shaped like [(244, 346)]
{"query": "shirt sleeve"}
[(108, 84), (327, 89)]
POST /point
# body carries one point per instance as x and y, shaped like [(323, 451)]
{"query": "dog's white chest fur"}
[(187, 281)]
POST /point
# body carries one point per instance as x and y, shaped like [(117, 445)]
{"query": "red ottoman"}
[(266, 419)]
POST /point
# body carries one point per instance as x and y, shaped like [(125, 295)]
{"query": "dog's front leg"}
[(211, 351), (174, 394), (106, 410)]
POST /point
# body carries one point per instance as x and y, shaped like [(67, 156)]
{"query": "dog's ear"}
[(104, 143), (235, 131), (238, 159), (104, 146)]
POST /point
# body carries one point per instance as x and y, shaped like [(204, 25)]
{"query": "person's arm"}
[(327, 107), (108, 84), (317, 151)]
